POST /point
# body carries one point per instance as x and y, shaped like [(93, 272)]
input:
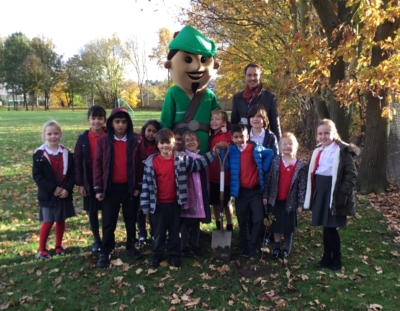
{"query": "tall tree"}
[(16, 48), (159, 53), (384, 78), (33, 75), (103, 62), (327, 51), (136, 54), (51, 62)]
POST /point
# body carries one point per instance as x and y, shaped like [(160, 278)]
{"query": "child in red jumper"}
[(285, 191), (148, 133), (117, 180), (85, 150), (220, 133), (52, 171)]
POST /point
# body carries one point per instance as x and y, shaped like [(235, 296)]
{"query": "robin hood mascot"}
[(188, 104)]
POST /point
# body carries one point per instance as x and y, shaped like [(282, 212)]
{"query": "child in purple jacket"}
[(197, 209)]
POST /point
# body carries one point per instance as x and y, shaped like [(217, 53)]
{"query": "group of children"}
[(161, 174)]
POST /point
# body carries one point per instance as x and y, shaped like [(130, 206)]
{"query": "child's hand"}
[(136, 193), (63, 194), (265, 201), (299, 209), (99, 196), (57, 192), (81, 191)]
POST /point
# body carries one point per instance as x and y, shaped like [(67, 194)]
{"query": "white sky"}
[(71, 24)]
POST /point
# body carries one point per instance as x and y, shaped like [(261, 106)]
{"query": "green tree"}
[(33, 76), (103, 62), (51, 62), (159, 53), (16, 48)]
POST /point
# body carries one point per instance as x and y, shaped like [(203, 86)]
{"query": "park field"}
[(369, 280)]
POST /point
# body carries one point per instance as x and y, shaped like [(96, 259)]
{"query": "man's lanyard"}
[(252, 97)]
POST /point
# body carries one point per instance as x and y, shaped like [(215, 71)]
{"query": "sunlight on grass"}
[(370, 274)]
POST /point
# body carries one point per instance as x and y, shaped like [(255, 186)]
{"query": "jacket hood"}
[(110, 119)]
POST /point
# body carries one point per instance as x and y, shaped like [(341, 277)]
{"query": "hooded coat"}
[(344, 175), (104, 158)]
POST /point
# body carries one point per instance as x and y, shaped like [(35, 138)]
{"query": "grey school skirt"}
[(321, 213), (62, 211)]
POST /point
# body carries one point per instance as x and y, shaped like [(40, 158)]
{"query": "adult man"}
[(188, 104), (254, 94)]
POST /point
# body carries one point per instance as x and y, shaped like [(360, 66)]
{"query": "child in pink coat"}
[(197, 209)]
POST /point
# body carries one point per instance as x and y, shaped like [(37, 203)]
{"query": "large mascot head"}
[(191, 60)]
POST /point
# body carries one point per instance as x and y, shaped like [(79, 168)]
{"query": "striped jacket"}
[(183, 164)]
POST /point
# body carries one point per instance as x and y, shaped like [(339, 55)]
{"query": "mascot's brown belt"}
[(188, 122)]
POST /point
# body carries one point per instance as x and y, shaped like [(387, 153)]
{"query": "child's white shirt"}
[(257, 139), (48, 151), (326, 161)]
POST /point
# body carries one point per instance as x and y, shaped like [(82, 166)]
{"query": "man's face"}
[(240, 138), (187, 69), (253, 76)]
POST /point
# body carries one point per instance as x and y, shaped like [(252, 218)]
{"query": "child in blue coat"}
[(248, 164)]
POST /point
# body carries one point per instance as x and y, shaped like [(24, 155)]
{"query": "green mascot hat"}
[(192, 41)]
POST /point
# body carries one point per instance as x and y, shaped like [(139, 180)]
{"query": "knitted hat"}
[(192, 41)]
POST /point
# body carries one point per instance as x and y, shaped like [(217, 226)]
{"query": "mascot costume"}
[(188, 104)]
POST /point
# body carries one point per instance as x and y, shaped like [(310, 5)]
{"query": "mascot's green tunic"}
[(190, 62), (178, 103)]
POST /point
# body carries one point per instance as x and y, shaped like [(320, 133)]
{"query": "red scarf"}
[(249, 94)]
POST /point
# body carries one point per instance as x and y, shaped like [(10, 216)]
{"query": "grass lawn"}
[(369, 280)]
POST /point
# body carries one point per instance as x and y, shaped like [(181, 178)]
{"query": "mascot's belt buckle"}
[(194, 125)]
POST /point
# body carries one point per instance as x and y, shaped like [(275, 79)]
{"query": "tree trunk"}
[(25, 102), (372, 176), (320, 106)]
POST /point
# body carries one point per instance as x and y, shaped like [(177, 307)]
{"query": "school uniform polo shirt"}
[(120, 165), (248, 168), (164, 170)]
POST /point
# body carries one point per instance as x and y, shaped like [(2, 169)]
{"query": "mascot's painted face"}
[(191, 72)]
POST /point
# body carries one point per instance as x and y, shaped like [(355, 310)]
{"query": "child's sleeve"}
[(98, 169), (302, 185), (141, 156), (39, 177), (70, 178), (78, 163), (267, 156), (145, 194), (195, 165), (349, 176), (274, 144)]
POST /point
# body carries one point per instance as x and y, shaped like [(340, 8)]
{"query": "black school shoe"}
[(244, 254), (104, 261), (174, 261), (154, 262), (134, 253), (275, 253), (186, 252), (197, 251), (96, 247), (284, 254), (325, 262), (336, 263)]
